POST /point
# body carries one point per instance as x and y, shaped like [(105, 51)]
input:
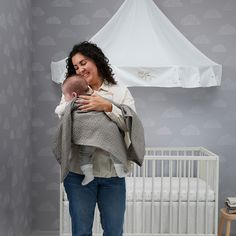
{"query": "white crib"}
[(175, 192)]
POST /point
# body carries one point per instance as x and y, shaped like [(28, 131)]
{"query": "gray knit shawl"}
[(97, 129)]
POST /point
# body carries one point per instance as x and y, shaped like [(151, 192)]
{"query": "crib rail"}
[(175, 192)]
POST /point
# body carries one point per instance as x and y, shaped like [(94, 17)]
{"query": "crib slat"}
[(143, 212), (134, 201), (170, 196), (179, 202), (161, 196), (188, 194), (152, 199), (197, 197), (206, 205)]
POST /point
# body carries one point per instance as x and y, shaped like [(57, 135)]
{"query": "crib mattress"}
[(166, 189)]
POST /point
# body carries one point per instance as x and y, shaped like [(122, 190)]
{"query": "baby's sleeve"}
[(60, 109)]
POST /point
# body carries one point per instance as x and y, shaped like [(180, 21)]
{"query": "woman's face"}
[(86, 69)]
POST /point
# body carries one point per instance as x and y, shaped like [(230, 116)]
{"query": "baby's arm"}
[(60, 109)]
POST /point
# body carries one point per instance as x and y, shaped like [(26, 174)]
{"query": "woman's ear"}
[(74, 94)]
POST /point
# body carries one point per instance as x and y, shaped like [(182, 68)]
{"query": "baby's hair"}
[(74, 83)]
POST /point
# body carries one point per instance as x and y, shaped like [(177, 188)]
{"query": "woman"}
[(107, 190)]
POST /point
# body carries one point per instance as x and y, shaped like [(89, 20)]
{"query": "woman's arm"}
[(98, 103), (116, 114)]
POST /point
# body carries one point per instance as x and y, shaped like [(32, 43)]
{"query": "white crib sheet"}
[(140, 188), (167, 189)]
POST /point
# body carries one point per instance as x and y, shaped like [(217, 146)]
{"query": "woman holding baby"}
[(107, 189)]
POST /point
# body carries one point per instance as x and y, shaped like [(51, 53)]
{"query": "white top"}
[(102, 164)]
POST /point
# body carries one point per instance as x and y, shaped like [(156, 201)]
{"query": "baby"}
[(72, 87)]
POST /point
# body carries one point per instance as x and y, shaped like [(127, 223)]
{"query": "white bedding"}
[(176, 189)]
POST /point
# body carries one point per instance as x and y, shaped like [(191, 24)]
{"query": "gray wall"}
[(15, 117), (172, 117)]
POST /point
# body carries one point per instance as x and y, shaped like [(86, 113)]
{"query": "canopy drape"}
[(145, 49)]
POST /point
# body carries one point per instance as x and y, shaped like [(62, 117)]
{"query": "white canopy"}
[(145, 49)]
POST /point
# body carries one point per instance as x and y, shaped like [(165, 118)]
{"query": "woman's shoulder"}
[(119, 86), (118, 90), (120, 94)]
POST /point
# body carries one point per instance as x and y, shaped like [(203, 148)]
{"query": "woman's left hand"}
[(93, 103)]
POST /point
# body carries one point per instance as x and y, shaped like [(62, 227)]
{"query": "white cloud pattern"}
[(47, 41), (172, 112), (190, 130), (80, 19), (212, 14), (37, 11), (102, 13), (53, 20), (201, 39), (172, 3), (190, 20), (164, 131), (219, 48), (227, 30), (3, 97), (3, 22), (62, 3), (212, 124)]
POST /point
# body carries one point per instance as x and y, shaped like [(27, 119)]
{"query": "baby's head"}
[(73, 86)]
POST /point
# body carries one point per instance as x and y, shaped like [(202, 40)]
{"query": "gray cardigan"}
[(96, 129)]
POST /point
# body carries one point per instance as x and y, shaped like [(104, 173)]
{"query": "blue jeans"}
[(108, 193)]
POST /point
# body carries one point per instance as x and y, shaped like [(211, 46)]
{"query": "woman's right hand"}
[(93, 103)]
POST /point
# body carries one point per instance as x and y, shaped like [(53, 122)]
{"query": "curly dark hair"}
[(93, 52)]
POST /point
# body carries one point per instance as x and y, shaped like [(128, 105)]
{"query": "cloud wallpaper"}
[(15, 118), (33, 33)]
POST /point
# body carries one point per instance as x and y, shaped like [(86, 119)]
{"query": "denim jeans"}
[(108, 193)]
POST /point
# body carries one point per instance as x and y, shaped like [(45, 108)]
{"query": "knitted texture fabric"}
[(136, 149), (97, 129), (87, 128)]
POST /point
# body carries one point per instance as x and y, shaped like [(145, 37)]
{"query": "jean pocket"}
[(73, 178)]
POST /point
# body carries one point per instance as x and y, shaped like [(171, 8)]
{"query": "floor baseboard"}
[(44, 233)]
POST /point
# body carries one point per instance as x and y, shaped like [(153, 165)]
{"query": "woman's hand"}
[(93, 103)]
